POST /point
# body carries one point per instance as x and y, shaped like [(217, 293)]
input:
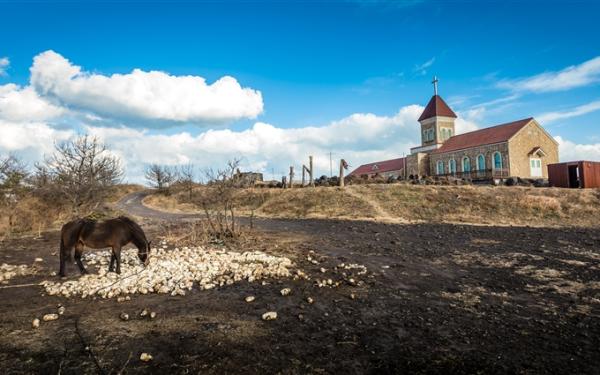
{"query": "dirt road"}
[(436, 299)]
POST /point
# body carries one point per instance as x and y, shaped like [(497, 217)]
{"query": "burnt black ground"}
[(437, 298)]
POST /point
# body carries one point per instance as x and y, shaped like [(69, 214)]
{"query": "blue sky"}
[(315, 64)]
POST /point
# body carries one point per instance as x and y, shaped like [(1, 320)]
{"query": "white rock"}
[(124, 316), (61, 310), (250, 298), (271, 315), (35, 323), (145, 357), (49, 317), (152, 315), (39, 260), (285, 291), (310, 300)]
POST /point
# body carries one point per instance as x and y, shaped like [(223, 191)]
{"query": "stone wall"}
[(472, 153), (417, 164), (531, 136)]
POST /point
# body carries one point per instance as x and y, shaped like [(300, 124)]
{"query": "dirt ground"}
[(437, 298)]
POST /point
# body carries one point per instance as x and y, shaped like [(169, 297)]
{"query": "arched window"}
[(449, 133), (425, 135), (497, 160), (440, 167), (431, 137), (481, 162), (452, 166), (466, 164)]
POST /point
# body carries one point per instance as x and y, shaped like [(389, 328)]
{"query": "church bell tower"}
[(437, 121)]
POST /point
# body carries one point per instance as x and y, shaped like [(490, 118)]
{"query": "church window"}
[(481, 162), (497, 160), (466, 164), (440, 167), (452, 166)]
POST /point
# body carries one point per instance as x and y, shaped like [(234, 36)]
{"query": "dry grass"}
[(482, 205)]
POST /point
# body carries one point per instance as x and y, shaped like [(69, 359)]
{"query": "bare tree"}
[(13, 172), (81, 171), (217, 199), (186, 178), (161, 176)]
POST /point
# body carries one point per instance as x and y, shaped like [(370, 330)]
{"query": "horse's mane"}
[(136, 229)]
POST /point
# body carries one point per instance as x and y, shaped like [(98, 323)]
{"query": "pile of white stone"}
[(8, 271), (170, 271)]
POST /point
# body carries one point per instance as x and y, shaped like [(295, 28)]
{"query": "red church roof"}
[(436, 107), (379, 167), (487, 136)]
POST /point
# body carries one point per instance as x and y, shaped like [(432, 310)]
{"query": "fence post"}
[(310, 171), (342, 173), (283, 182), (291, 182), (303, 174)]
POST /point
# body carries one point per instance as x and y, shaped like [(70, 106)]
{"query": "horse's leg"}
[(111, 268), (78, 251), (117, 255)]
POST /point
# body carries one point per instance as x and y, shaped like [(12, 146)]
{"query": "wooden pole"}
[(283, 182), (310, 171), (303, 175), (291, 182), (342, 173)]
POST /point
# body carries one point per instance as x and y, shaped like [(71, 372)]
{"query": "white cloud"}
[(577, 111), (570, 77), (30, 140), (143, 95), (358, 138), (24, 104), (422, 68), (570, 151), (4, 63)]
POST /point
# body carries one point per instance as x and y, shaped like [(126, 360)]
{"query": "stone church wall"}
[(523, 142), (472, 153)]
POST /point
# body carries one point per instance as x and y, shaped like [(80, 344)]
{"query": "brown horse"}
[(113, 233)]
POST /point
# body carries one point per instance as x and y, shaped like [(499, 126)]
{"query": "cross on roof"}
[(435, 82)]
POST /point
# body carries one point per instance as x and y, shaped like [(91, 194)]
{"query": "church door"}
[(536, 167)]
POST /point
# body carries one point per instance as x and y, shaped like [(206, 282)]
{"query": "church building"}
[(519, 148)]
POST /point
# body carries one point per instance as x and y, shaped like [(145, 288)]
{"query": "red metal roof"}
[(436, 107), (379, 167), (487, 136)]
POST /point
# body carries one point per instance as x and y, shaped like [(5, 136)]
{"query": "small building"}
[(575, 174), (386, 169), (247, 179)]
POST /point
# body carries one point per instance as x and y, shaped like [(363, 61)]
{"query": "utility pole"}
[(330, 164)]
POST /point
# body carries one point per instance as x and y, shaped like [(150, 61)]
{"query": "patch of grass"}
[(487, 205)]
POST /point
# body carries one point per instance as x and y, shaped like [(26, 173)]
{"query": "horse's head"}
[(144, 253)]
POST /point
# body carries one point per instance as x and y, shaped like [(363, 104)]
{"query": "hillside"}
[(485, 205)]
